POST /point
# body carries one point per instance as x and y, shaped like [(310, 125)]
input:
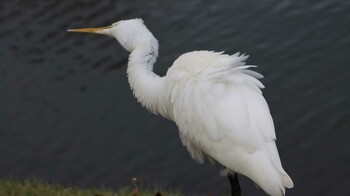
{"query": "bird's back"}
[(221, 113)]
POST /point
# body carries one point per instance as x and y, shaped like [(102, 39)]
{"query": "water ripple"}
[(67, 108)]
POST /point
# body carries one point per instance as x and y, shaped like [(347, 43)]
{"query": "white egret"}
[(215, 101)]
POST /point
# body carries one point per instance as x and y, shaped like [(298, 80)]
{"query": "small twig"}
[(136, 191), (134, 180)]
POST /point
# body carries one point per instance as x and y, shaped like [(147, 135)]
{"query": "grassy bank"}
[(39, 188)]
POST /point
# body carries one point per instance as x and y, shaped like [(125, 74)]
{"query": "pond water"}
[(67, 114)]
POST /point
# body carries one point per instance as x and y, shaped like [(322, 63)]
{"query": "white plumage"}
[(214, 99), (221, 113)]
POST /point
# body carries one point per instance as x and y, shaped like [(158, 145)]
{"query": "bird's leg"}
[(235, 188)]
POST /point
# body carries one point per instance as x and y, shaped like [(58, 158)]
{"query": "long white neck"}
[(147, 87)]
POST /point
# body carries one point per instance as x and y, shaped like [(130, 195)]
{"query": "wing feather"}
[(222, 100)]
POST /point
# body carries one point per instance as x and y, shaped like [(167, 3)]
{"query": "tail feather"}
[(287, 181)]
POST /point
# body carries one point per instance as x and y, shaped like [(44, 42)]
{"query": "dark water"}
[(67, 114)]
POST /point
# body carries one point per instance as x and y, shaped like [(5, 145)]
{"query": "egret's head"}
[(129, 33)]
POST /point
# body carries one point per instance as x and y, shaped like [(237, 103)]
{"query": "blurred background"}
[(67, 114)]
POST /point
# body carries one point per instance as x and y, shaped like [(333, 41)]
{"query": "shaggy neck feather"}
[(147, 87)]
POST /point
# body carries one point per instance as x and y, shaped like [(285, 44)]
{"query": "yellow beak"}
[(89, 30)]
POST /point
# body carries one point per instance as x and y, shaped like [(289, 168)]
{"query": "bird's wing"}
[(223, 101)]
